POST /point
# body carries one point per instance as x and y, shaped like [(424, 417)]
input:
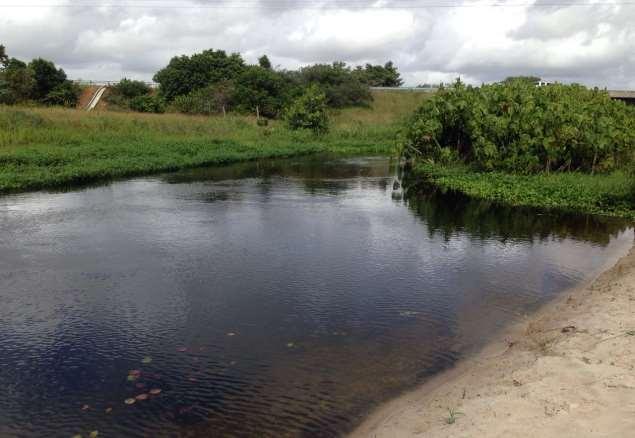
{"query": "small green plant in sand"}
[(452, 415)]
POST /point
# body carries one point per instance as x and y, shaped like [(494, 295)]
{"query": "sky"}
[(585, 41)]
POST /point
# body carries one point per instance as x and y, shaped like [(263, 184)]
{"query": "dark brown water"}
[(273, 299)]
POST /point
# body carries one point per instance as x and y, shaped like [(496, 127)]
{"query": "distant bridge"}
[(626, 96)]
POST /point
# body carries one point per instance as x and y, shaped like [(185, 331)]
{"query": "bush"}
[(309, 111), (66, 94), (521, 128), (339, 83), (147, 104), (212, 99), (130, 89)]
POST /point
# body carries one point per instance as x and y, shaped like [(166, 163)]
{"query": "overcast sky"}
[(429, 40)]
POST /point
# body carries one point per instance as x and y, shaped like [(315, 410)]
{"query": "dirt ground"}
[(567, 371)]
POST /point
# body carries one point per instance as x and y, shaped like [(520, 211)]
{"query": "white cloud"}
[(592, 44)]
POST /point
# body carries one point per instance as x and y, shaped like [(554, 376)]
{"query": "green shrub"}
[(65, 94), (212, 99), (147, 104), (309, 111), (130, 89), (518, 127)]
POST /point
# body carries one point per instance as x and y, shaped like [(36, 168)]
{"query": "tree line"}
[(38, 81)]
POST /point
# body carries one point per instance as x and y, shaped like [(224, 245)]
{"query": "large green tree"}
[(262, 90), (185, 74), (18, 82), (47, 77)]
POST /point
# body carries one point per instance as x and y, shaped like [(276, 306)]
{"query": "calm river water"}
[(279, 298)]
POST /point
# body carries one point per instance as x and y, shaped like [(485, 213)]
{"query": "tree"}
[(260, 90), (185, 74), (47, 77), (4, 59), (264, 62), (339, 84), (379, 76), (19, 82), (130, 89), (309, 111)]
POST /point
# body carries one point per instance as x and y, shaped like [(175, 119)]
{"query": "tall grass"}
[(47, 147)]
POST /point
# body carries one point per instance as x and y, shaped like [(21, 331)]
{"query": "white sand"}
[(568, 371)]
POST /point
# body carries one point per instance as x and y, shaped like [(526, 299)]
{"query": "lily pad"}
[(130, 401), (146, 360)]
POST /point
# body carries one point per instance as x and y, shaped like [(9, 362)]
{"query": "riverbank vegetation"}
[(56, 147), (560, 146)]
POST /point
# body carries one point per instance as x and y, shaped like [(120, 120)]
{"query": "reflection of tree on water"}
[(449, 212), (318, 174)]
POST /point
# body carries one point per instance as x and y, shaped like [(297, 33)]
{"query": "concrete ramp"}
[(96, 98)]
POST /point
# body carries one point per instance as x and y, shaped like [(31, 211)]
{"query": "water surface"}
[(276, 298)]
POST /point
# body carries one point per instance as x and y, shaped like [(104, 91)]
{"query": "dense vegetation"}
[(558, 146), (49, 147), (606, 194), (518, 127), (38, 81), (213, 82)]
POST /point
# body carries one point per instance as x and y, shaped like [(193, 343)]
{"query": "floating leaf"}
[(108, 410), (135, 372), (85, 408), (231, 334), (130, 401), (181, 349), (77, 436), (146, 360), (290, 345), (93, 434), (132, 377), (142, 397), (155, 391)]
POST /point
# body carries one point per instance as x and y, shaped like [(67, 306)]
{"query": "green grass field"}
[(605, 194), (55, 147)]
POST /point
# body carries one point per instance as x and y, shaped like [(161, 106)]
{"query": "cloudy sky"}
[(587, 41)]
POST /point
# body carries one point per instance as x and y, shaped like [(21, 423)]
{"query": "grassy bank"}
[(606, 194), (53, 147)]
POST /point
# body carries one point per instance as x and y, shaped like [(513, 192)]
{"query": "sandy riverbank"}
[(567, 371)]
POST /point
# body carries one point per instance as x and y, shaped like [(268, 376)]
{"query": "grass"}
[(605, 194), (452, 415), (55, 147)]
